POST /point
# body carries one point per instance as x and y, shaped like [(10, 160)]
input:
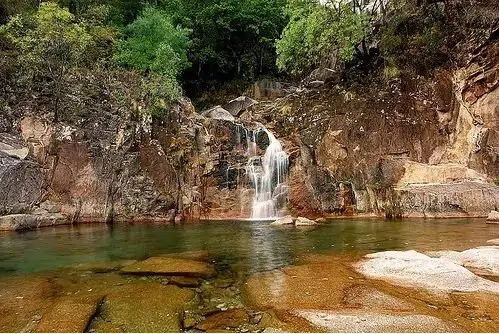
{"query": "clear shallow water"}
[(244, 245)]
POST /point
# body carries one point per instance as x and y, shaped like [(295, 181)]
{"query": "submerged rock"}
[(230, 319), (187, 282), (413, 269), (170, 266), (143, 307), (354, 322), (69, 315)]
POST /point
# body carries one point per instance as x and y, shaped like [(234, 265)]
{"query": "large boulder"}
[(493, 216), (302, 221), (218, 112), (19, 222), (481, 260), (238, 105), (288, 220), (416, 270)]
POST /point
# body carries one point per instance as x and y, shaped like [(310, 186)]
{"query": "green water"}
[(249, 246)]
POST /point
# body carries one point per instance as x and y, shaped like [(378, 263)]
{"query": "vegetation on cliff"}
[(199, 45)]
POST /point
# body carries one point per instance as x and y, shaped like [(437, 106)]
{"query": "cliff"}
[(409, 147)]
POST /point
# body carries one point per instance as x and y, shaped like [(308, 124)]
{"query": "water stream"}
[(268, 174)]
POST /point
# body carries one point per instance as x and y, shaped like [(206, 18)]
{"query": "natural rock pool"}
[(234, 276)]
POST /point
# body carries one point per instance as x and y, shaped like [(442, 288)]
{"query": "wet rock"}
[(69, 316), (370, 298), (170, 266), (302, 221), (356, 322), (224, 283), (413, 269), (189, 322), (200, 255), (288, 220), (143, 307), (493, 216), (23, 297), (222, 321), (184, 282), (321, 220)]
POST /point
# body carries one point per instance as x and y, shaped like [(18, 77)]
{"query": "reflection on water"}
[(245, 246)]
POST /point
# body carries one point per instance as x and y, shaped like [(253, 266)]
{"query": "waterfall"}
[(268, 176)]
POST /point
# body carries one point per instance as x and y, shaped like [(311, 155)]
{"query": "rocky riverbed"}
[(423, 287)]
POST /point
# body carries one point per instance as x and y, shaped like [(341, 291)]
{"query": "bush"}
[(153, 46), (319, 35)]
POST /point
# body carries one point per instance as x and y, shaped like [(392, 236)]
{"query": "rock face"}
[(411, 148), (415, 149)]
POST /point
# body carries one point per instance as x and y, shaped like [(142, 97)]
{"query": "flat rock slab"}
[(416, 270), (227, 320), (481, 260), (369, 322), (170, 266), (369, 298), (184, 282), (68, 316), (493, 242), (143, 307)]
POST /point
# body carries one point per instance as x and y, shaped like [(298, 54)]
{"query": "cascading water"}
[(268, 176)]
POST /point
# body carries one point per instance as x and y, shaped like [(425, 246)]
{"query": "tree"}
[(153, 46), (319, 35), (49, 42)]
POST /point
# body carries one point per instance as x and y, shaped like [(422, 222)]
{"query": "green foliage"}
[(230, 38), (318, 35), (421, 32), (152, 45), (50, 41)]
